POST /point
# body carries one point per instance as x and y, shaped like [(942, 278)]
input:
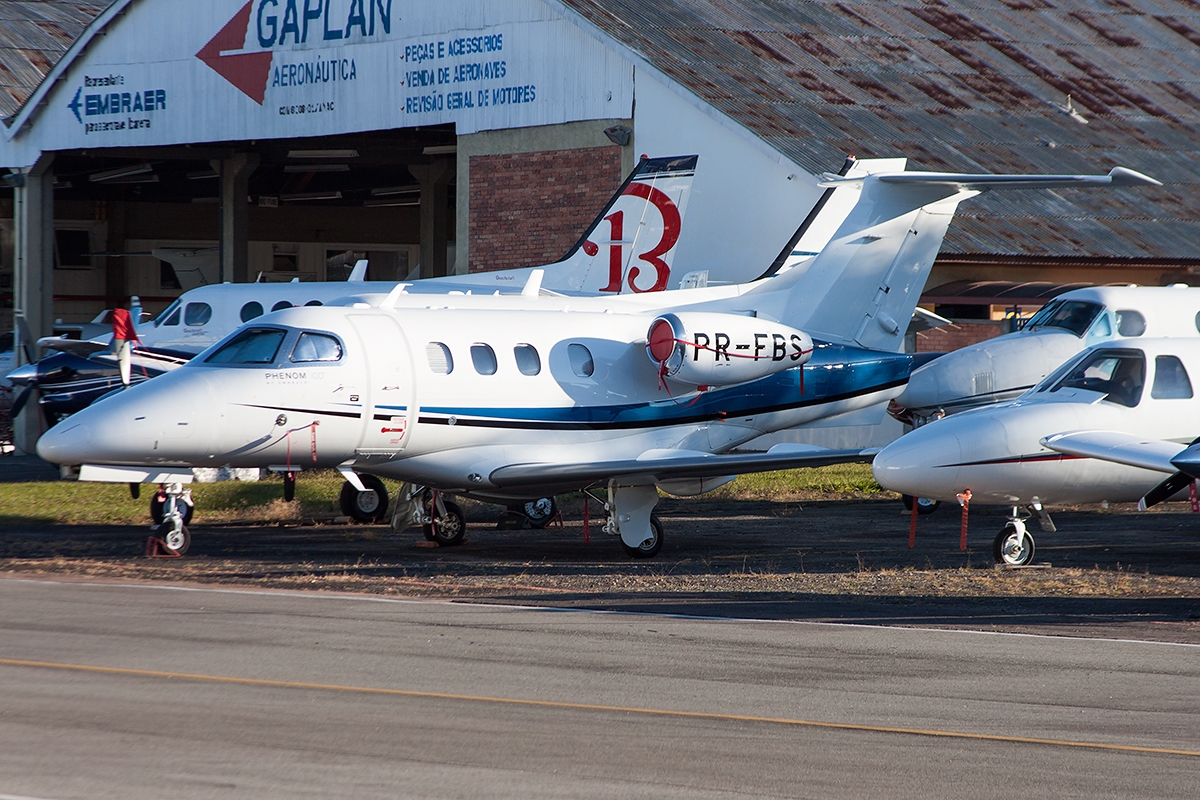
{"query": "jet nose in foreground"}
[(68, 442), (924, 463)]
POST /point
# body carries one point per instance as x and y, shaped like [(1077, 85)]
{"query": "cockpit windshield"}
[(167, 313), (1119, 374), (1075, 316), (251, 346)]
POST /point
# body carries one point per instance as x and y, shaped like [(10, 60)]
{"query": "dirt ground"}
[(1108, 572)]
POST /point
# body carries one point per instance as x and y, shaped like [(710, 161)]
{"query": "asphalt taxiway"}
[(156, 691)]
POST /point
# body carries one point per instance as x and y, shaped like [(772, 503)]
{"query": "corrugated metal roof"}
[(34, 35), (963, 85)]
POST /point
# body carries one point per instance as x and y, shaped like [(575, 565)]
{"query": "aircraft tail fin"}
[(863, 286), (630, 245), (359, 273)]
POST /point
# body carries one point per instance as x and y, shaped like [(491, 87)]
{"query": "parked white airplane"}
[(1007, 366), (511, 397), (1090, 432)]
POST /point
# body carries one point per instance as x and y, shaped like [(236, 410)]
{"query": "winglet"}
[(359, 273), (533, 286)]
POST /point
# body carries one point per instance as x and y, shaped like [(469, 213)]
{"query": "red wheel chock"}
[(157, 548)]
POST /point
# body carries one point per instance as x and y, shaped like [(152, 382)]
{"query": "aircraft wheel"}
[(156, 510), (1006, 550), (539, 512), (650, 547), (180, 540), (448, 530), (369, 506), (924, 504)]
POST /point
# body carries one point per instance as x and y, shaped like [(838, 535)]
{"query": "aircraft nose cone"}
[(68, 442), (24, 374), (923, 463)]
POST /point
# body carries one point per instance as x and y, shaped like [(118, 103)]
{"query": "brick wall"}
[(956, 335), (527, 209)]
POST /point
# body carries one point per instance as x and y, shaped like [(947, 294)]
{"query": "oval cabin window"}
[(581, 360), (484, 358), (251, 310), (440, 360), (528, 360)]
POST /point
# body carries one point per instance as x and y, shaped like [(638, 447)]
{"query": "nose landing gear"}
[(1014, 545), (175, 509)]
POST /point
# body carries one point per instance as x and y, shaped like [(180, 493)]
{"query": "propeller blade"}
[(21, 400), (1159, 493), (27, 341)]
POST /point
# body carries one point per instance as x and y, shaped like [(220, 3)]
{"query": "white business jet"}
[(1007, 366), (510, 397), (1091, 431)]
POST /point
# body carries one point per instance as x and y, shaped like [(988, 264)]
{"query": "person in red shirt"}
[(124, 335)]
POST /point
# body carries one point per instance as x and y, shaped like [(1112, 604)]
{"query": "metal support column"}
[(435, 214), (33, 297), (235, 175)]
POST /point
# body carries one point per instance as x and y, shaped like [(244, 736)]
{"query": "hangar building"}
[(153, 145)]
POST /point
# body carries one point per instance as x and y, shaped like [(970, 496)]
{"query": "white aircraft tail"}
[(630, 246), (863, 286)]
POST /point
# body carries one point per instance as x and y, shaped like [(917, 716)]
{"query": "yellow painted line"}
[(652, 712)]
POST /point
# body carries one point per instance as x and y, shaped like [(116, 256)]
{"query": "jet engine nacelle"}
[(713, 349)]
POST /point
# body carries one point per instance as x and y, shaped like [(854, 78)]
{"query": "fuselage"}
[(443, 396), (1005, 367), (1137, 387)]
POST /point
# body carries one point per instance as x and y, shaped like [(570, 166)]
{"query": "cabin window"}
[(314, 303), (253, 346), (282, 304), (251, 310), (528, 360), (1119, 374), (168, 317), (440, 360), (484, 358), (1075, 316), (197, 314), (1198, 321), (1170, 379), (581, 360), (1130, 323), (317, 347)]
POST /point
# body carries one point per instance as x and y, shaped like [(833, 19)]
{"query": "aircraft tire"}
[(450, 529), (539, 512), (179, 542), (365, 507), (1004, 548), (650, 547), (924, 504), (156, 510)]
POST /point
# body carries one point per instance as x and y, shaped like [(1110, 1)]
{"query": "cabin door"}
[(390, 393)]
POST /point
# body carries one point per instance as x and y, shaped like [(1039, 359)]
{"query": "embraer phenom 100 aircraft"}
[(514, 397), (1092, 431)]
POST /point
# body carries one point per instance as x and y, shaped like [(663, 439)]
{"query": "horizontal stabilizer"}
[(1117, 176), (1117, 447), (79, 347), (663, 467)]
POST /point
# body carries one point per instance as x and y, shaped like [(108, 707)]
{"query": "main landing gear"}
[(924, 504), (1014, 545), (441, 520), (365, 506), (629, 515)]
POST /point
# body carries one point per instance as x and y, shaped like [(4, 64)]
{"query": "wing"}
[(79, 347), (1120, 448), (664, 465)]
